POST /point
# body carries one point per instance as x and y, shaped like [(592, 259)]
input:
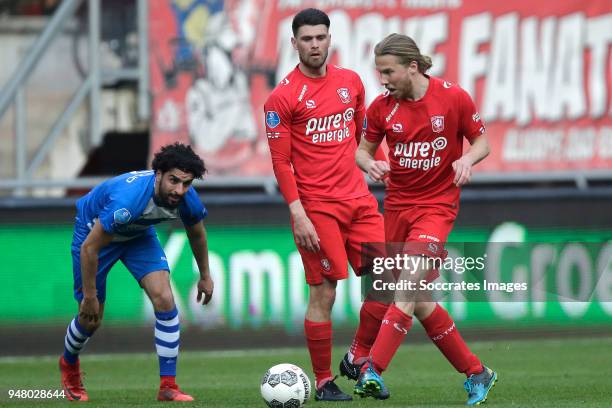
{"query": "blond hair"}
[(405, 49)]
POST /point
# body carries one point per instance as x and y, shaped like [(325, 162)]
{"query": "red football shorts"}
[(422, 229), (342, 227)]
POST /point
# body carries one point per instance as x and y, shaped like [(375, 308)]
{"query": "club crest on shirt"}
[(325, 264), (272, 119), (437, 123), (344, 94)]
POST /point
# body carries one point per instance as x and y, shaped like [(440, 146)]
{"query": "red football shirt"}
[(424, 137), (311, 125)]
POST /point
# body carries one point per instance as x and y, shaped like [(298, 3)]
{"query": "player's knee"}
[(406, 307), (326, 296), (162, 301), (330, 298), (422, 310), (320, 305)]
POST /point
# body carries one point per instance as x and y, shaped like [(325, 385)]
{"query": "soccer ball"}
[(285, 386)]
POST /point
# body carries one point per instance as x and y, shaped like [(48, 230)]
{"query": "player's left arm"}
[(365, 156), (473, 129), (192, 213), (198, 241), (479, 149), (369, 145)]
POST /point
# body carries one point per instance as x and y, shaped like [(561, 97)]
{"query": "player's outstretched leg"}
[(371, 384), (167, 333), (349, 368), (395, 325), (370, 319), (72, 384), (479, 385), (442, 330)]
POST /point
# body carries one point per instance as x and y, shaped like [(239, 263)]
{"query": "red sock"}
[(394, 327), (370, 318), (167, 381), (442, 331), (319, 340)]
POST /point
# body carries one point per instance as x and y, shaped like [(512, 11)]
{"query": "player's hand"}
[(463, 171), (89, 309), (305, 233), (206, 286), (378, 170)]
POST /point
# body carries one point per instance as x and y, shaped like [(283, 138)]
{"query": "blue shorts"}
[(141, 256)]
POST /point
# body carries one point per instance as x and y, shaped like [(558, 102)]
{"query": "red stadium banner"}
[(540, 72)]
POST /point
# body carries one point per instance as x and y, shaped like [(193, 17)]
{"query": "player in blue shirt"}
[(115, 222)]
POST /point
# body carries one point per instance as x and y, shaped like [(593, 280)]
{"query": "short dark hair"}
[(179, 156), (309, 16)]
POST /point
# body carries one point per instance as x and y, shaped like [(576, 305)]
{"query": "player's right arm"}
[(278, 130), (97, 239), (303, 230)]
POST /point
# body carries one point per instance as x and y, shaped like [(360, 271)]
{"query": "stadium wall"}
[(259, 277)]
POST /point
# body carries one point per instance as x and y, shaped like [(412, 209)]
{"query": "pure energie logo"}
[(420, 155)]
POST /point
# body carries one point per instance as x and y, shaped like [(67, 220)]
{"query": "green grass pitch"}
[(535, 373)]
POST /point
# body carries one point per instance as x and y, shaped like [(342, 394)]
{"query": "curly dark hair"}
[(179, 156), (309, 16)]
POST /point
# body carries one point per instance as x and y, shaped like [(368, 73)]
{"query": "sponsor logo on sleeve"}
[(392, 113), (304, 89), (122, 216), (272, 119)]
